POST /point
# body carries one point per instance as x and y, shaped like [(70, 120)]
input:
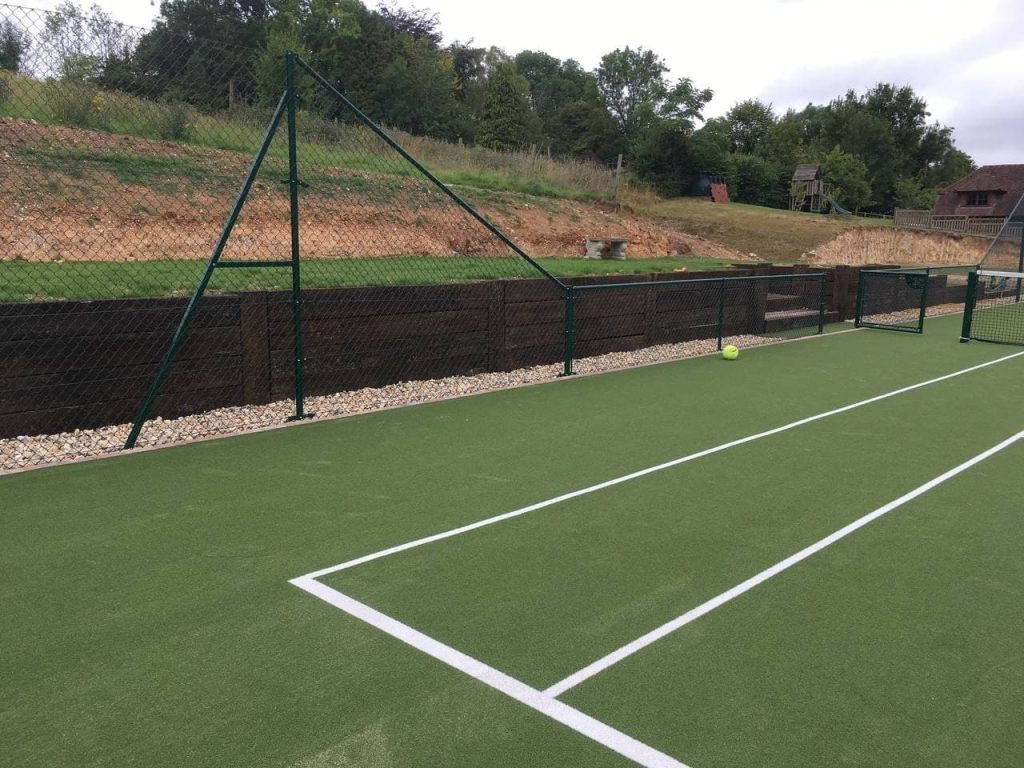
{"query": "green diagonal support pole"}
[(429, 176), (204, 281)]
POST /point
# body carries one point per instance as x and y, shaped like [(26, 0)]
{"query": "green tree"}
[(508, 121), (585, 129), (205, 53), (81, 41), (849, 177), (710, 147), (554, 83), (14, 44), (635, 90), (753, 180), (910, 194), (750, 123), (417, 91), (662, 158)]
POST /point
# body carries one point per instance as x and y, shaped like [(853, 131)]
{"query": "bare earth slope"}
[(72, 194), (87, 195)]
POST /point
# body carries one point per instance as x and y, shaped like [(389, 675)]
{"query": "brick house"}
[(992, 190)]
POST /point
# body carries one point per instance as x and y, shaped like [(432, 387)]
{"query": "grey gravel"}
[(38, 450)]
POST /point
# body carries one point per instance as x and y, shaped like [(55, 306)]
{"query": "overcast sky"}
[(966, 60)]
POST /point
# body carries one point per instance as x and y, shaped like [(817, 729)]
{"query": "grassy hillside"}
[(774, 235), (328, 143)]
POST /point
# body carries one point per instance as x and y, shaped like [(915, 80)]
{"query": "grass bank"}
[(42, 281)]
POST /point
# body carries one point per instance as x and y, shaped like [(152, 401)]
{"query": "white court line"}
[(654, 635), (640, 473), (593, 729)]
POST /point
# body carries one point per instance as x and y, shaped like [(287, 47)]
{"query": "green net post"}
[(570, 329), (972, 290), (293, 204)]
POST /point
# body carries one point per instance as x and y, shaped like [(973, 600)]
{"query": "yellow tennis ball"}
[(729, 352)]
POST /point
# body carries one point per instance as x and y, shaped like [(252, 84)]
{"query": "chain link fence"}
[(195, 240)]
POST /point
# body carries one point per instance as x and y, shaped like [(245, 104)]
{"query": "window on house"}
[(976, 198)]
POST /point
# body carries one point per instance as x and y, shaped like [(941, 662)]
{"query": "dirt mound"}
[(898, 247)]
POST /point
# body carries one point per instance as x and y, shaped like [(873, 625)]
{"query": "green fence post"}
[(972, 289), (570, 329), (721, 312), (924, 300), (822, 298), (293, 203), (860, 299)]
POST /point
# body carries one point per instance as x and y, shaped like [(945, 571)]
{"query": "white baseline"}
[(594, 729), (681, 621), (649, 470)]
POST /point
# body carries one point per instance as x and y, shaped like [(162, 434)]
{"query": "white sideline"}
[(593, 729), (640, 473), (642, 642)]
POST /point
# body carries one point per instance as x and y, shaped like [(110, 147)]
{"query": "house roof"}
[(807, 172), (990, 178), (1005, 180)]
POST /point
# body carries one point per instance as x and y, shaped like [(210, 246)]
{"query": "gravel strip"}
[(25, 452)]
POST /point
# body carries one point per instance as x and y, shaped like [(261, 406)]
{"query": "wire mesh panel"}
[(645, 322), (114, 190), (892, 299), (995, 310), (117, 190)]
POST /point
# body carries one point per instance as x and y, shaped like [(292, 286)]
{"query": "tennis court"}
[(807, 557)]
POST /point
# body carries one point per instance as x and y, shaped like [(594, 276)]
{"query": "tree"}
[(413, 22), (205, 53), (910, 194), (753, 180), (849, 177), (508, 121), (82, 41), (636, 92), (585, 129), (661, 157), (417, 91), (14, 44), (710, 148), (554, 83), (749, 122)]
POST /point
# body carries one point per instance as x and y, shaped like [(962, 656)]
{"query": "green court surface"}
[(807, 557)]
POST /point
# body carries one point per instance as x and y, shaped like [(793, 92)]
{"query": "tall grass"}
[(336, 144)]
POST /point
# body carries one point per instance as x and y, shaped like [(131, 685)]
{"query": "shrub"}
[(80, 105), (172, 121), (5, 90)]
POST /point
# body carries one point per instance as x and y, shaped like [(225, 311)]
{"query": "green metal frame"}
[(573, 290), (858, 321), (287, 109), (211, 264), (969, 301)]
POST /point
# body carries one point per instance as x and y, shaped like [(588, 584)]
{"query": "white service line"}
[(603, 734), (649, 470), (656, 634)]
